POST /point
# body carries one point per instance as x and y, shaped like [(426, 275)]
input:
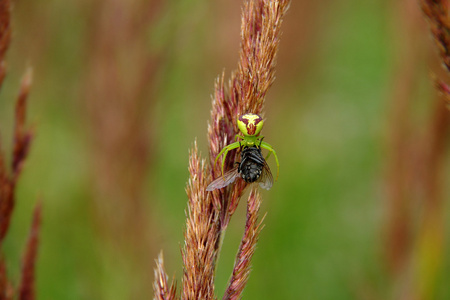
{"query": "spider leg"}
[(225, 152), (267, 146), (220, 153), (260, 139), (238, 136)]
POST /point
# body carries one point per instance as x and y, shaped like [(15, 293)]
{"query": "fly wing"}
[(266, 178), (221, 182)]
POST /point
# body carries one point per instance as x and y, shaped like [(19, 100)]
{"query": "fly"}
[(252, 168)]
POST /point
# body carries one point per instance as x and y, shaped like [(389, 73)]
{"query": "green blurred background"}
[(110, 156)]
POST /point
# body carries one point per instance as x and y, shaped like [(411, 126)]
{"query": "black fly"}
[(252, 168)]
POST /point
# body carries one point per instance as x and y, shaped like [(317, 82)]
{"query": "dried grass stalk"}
[(8, 179), (121, 72), (408, 182), (5, 28), (8, 176), (6, 197), (161, 286), (22, 136), (209, 213), (246, 89), (27, 283), (436, 12), (6, 287), (201, 236), (241, 270), (22, 140)]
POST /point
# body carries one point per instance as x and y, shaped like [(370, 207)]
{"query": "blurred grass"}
[(327, 121)]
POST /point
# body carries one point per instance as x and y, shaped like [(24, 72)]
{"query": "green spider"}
[(250, 126)]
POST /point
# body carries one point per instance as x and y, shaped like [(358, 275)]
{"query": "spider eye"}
[(250, 124)]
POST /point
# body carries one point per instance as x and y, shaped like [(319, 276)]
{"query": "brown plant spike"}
[(27, 283), (5, 28), (8, 178), (436, 12), (161, 286), (6, 288), (119, 91), (208, 213), (5, 35), (5, 188), (444, 89), (241, 270), (22, 139), (201, 236), (246, 89)]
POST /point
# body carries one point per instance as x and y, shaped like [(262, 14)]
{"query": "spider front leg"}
[(267, 146), (260, 140), (225, 150), (238, 136)]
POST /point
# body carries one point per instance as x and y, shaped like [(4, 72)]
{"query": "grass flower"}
[(209, 213), (436, 12), (9, 176)]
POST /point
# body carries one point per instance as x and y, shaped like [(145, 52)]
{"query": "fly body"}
[(252, 164), (252, 168)]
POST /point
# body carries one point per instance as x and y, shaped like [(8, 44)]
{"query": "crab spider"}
[(250, 126)]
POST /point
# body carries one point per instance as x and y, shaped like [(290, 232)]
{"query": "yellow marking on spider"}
[(251, 118)]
